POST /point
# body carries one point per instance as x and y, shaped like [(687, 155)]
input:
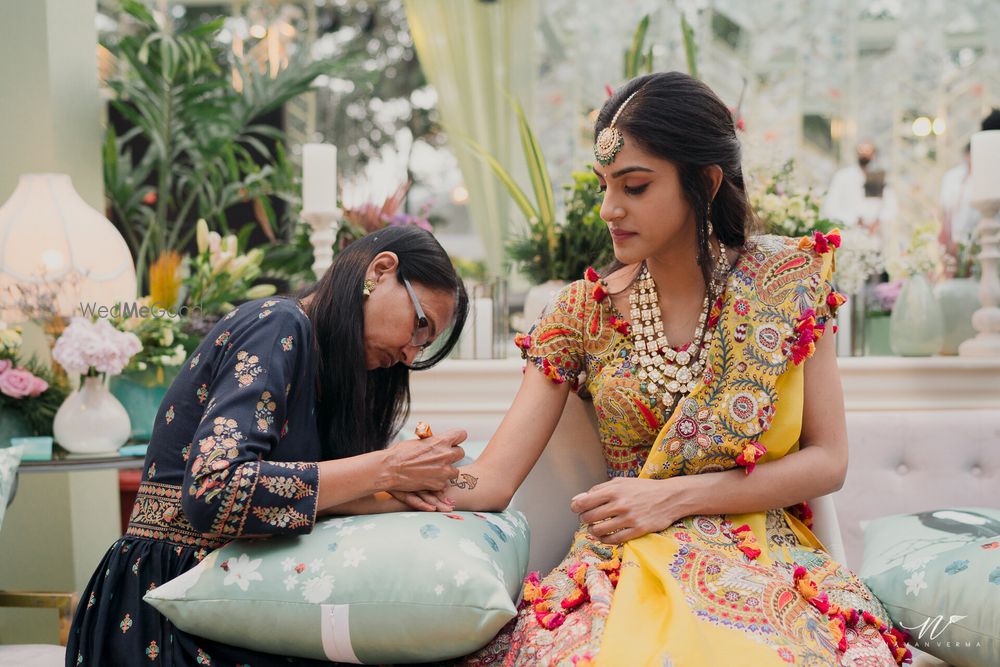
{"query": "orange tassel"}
[(752, 453)]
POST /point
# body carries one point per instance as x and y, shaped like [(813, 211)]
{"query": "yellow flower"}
[(165, 279)]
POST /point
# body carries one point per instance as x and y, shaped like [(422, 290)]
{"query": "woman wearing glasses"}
[(283, 413)]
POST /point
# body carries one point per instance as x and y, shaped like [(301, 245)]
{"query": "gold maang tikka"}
[(610, 140)]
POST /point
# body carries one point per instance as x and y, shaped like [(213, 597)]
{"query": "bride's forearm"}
[(809, 473), (479, 490), (378, 503)]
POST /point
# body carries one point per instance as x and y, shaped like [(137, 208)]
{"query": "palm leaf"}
[(537, 170), (531, 214), (635, 51), (690, 47)]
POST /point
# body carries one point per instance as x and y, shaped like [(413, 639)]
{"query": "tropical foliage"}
[(195, 148)]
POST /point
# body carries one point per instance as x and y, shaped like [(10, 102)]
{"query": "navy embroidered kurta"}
[(233, 454)]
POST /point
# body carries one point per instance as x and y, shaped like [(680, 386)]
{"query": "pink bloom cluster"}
[(98, 345), (19, 382)]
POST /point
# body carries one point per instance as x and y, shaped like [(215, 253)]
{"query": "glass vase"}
[(916, 326)]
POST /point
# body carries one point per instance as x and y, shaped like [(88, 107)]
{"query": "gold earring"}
[(368, 287)]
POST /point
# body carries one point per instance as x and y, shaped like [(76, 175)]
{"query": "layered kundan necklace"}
[(664, 373)]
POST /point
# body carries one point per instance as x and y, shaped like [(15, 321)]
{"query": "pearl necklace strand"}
[(665, 373)]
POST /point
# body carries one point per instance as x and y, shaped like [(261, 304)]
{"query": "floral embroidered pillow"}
[(938, 575), (405, 587)]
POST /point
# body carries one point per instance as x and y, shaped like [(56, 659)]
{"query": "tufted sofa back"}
[(911, 461)]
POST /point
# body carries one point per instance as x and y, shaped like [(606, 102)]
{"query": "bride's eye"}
[(638, 190)]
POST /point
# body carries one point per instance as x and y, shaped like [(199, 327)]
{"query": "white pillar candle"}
[(319, 178), (986, 165), (483, 327)]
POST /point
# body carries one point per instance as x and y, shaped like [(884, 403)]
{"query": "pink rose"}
[(39, 386), (17, 383), (5, 365)]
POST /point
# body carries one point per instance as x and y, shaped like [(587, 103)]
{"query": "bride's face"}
[(644, 204)]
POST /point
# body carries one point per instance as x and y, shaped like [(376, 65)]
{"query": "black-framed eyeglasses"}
[(422, 332)]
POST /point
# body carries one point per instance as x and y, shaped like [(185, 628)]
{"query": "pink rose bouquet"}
[(27, 390)]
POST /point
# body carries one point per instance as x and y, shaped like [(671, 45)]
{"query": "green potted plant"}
[(142, 384)]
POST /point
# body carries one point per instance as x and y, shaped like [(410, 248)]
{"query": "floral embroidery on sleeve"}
[(264, 413), (202, 393), (281, 517), (215, 452), (194, 361), (223, 338), (291, 486), (247, 368), (555, 343), (286, 343)]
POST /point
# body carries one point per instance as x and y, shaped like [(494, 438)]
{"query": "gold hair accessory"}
[(368, 287), (610, 140)]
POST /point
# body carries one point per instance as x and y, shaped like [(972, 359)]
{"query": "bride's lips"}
[(621, 234)]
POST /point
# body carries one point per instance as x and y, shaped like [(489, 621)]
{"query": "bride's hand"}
[(425, 501), (625, 508)]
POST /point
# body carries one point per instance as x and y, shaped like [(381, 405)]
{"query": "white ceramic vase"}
[(537, 298), (91, 420), (916, 326)]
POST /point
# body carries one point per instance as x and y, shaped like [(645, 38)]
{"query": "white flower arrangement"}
[(922, 256), (858, 258), (90, 348)]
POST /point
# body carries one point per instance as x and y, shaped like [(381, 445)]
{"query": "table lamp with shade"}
[(53, 242), (985, 154), (49, 236)]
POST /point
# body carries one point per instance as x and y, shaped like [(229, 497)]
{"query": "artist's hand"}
[(625, 508), (425, 464)]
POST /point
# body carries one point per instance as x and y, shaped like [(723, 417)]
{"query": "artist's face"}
[(644, 204), (392, 333)]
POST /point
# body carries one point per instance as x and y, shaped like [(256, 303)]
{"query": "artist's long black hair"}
[(359, 410), (678, 118)]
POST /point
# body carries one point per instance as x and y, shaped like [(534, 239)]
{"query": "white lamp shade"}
[(49, 234), (985, 154)]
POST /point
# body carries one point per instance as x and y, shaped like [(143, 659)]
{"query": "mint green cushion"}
[(405, 587), (938, 575)]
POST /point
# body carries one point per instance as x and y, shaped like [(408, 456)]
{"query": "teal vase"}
[(13, 425), (877, 335), (916, 327), (141, 392)]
